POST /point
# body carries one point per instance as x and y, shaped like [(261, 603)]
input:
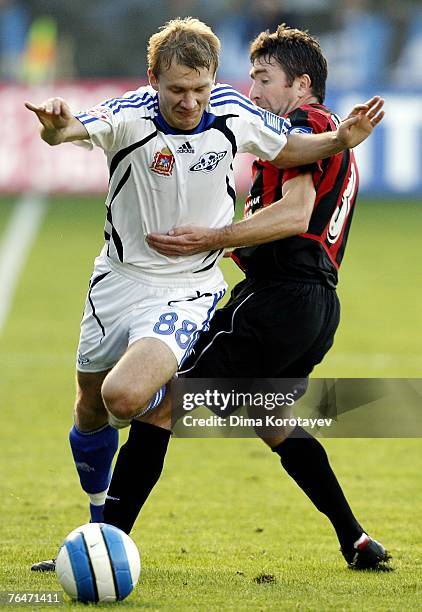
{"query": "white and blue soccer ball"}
[(98, 563)]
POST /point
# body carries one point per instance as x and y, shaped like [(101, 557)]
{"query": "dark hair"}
[(297, 52)]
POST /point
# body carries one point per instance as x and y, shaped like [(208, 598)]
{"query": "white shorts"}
[(123, 307)]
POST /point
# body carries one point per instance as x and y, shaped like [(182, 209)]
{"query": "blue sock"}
[(96, 513), (93, 453)]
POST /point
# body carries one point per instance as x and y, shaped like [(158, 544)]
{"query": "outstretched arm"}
[(57, 122), (303, 149), (288, 216)]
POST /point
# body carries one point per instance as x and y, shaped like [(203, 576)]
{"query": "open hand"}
[(186, 240), (361, 121)]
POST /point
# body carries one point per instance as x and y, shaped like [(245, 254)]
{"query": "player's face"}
[(183, 93), (271, 90)]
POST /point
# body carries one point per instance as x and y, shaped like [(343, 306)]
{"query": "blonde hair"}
[(188, 42)]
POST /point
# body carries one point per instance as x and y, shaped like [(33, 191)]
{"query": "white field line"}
[(15, 247)]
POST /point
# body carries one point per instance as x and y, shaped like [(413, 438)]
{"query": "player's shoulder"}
[(224, 99), (312, 118), (131, 104)]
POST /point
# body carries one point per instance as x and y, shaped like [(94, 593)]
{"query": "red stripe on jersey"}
[(266, 186), (336, 181), (236, 260), (318, 253), (321, 240)]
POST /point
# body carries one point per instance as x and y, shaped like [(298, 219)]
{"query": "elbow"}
[(301, 224), (284, 160), (304, 213)]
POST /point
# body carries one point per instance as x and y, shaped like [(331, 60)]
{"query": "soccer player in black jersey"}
[(284, 314)]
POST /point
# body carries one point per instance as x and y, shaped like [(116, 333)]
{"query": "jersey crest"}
[(163, 162), (299, 129)]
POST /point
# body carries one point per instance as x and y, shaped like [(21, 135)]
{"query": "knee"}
[(120, 401)]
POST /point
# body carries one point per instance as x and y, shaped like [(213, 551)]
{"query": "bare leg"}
[(145, 367), (90, 412)]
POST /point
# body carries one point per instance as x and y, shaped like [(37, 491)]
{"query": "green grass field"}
[(224, 513)]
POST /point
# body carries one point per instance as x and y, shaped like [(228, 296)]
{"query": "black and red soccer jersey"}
[(318, 253)]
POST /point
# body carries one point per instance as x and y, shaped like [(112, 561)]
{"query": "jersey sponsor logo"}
[(100, 112), (275, 123), (163, 162), (186, 147), (208, 161), (300, 129), (341, 213), (251, 205)]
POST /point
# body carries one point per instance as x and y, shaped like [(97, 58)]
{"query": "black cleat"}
[(44, 566), (368, 554)]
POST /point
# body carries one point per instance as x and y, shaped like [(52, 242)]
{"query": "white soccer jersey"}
[(161, 177)]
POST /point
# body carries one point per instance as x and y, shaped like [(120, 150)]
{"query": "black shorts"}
[(268, 329)]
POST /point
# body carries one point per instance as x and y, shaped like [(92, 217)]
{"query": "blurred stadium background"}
[(51, 218), (89, 51)]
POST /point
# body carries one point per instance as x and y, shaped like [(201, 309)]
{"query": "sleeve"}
[(98, 121), (257, 130), (306, 122), (106, 123)]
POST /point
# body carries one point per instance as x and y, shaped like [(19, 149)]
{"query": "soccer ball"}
[(98, 562)]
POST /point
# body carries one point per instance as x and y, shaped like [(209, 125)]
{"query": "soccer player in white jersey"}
[(170, 149)]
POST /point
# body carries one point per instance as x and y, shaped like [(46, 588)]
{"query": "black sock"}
[(138, 467), (303, 457)]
